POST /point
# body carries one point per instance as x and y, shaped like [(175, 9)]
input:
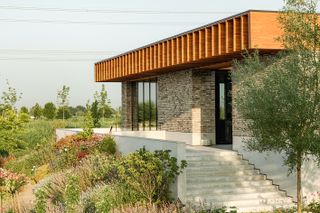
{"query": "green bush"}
[(41, 202), (108, 145), (34, 159), (150, 174), (72, 193), (107, 197), (313, 207)]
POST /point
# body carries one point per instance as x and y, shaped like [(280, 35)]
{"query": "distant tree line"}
[(100, 108)]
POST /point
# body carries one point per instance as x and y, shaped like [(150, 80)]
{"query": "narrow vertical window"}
[(140, 106), (146, 105), (153, 106), (222, 103)]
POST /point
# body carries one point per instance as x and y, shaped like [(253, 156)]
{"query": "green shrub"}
[(150, 174), (33, 160), (72, 193), (104, 198), (108, 145), (41, 201), (24, 117), (96, 168), (313, 207)]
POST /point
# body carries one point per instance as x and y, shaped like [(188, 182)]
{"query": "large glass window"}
[(147, 105)]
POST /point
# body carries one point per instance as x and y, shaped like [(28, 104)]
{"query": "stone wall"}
[(186, 104), (175, 101), (129, 109)]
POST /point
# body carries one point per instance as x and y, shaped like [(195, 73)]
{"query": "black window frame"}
[(149, 126)]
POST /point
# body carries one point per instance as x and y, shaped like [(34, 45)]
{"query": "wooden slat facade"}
[(210, 45)]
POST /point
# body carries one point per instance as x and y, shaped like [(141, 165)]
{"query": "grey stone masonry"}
[(186, 103), (175, 101), (129, 108), (203, 101)]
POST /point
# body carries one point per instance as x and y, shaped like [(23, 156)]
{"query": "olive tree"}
[(279, 96)]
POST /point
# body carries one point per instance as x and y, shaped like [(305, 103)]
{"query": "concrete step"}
[(229, 184), (196, 163), (215, 172), (223, 178), (225, 190), (246, 209), (226, 167), (210, 150), (248, 203), (195, 179), (192, 157), (244, 196), (263, 208), (214, 154)]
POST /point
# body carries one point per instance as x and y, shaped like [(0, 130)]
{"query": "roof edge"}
[(189, 31)]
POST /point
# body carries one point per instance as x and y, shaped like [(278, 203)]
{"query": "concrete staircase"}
[(217, 177)]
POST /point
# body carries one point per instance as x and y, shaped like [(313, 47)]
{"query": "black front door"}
[(223, 99)]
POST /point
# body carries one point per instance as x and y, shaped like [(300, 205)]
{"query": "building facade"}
[(182, 84), (180, 89)]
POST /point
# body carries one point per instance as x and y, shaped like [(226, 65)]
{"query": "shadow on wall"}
[(310, 178), (271, 164)]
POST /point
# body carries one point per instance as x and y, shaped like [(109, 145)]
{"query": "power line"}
[(57, 52), (50, 59), (42, 21), (82, 10)]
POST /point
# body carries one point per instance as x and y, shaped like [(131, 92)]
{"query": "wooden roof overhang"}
[(213, 46)]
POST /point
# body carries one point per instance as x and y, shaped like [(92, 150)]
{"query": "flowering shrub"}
[(72, 149), (12, 182), (73, 141)]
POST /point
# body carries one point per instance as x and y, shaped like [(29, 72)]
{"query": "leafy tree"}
[(117, 117), (63, 113), (95, 114), (24, 110), (10, 129), (49, 110), (80, 108), (279, 97), (9, 98), (36, 111), (24, 117), (103, 102), (63, 99), (88, 123)]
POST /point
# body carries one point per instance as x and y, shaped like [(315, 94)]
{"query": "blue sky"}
[(39, 58)]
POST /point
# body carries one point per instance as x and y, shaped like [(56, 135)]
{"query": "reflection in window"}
[(147, 105), (140, 105), (222, 103)]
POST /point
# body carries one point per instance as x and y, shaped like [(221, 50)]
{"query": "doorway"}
[(223, 102)]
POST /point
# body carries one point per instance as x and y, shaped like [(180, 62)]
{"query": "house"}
[(179, 89)]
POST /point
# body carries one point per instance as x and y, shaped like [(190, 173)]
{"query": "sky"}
[(45, 44)]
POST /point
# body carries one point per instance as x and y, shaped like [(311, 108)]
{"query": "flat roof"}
[(213, 45)]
